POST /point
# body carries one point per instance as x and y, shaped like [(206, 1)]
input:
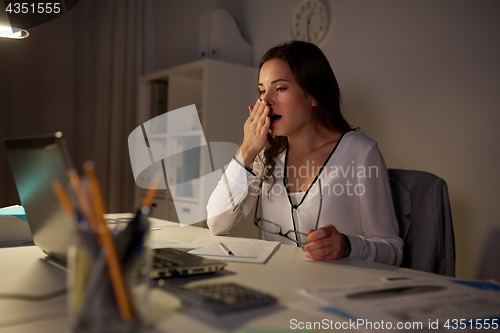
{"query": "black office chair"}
[(424, 215)]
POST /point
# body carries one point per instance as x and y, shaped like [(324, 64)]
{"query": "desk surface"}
[(23, 270)]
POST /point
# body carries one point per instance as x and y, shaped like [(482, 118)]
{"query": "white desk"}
[(23, 270)]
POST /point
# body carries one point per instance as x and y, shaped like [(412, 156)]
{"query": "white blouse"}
[(356, 195)]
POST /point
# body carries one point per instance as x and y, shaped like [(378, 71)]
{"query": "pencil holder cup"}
[(109, 282)]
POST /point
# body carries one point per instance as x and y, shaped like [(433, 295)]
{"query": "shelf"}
[(220, 91)]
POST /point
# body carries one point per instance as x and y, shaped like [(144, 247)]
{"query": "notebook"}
[(35, 162)]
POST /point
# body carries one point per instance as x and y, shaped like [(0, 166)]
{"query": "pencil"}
[(83, 257), (105, 239), (95, 188), (82, 199), (148, 199), (63, 198)]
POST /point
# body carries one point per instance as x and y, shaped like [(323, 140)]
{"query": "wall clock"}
[(309, 21)]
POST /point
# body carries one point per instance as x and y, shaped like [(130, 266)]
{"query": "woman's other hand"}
[(326, 244), (255, 129)]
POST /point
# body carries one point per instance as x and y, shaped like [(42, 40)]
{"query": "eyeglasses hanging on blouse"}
[(276, 229)]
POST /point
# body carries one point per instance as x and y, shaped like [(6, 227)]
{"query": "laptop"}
[(38, 160)]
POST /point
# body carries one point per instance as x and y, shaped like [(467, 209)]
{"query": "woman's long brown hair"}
[(312, 71)]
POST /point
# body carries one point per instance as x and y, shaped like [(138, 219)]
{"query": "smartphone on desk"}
[(220, 297)]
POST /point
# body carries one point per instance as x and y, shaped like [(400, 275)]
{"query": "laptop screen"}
[(35, 162)]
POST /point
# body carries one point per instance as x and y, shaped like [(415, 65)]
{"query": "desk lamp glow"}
[(8, 32)]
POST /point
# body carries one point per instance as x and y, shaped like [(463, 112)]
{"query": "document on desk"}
[(243, 249), (14, 228), (161, 243), (434, 303)]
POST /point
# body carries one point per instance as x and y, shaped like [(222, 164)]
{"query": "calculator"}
[(220, 297)]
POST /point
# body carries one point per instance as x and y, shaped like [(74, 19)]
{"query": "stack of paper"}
[(411, 304)]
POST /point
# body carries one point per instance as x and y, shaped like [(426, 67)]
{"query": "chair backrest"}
[(424, 215), (488, 268)]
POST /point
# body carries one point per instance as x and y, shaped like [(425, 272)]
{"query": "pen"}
[(226, 249)]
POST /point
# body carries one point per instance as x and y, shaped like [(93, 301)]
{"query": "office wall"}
[(37, 90), (420, 77), (76, 74)]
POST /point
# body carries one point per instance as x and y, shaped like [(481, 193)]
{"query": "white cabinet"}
[(221, 93)]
